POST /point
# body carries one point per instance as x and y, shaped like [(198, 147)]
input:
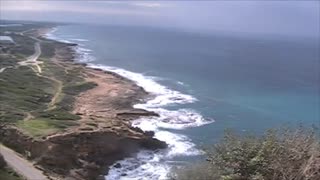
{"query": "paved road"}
[(20, 165)]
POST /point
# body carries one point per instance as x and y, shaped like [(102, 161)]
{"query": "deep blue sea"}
[(203, 84)]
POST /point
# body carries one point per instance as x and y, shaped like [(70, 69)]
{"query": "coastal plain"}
[(70, 121)]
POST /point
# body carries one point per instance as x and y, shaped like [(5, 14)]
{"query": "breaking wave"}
[(149, 165)]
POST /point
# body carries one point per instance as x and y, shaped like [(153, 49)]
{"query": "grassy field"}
[(43, 126), (37, 103)]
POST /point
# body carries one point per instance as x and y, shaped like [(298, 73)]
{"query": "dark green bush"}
[(278, 155), (2, 162), (58, 114), (78, 88)]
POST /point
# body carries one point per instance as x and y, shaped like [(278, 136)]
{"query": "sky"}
[(289, 18)]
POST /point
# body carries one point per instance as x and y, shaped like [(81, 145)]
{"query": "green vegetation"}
[(7, 60), (22, 91), (278, 155), (71, 91), (38, 103), (47, 48), (58, 114), (7, 173), (25, 45), (41, 127)]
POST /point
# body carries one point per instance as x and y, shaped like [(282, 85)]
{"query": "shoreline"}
[(102, 136), (135, 93), (91, 104)]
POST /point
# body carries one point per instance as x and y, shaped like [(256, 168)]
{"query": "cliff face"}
[(21, 143), (79, 155)]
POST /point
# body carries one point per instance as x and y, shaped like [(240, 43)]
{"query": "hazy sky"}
[(292, 18)]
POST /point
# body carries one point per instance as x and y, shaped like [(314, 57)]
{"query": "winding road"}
[(21, 165)]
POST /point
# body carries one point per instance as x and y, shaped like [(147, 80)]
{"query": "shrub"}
[(2, 162), (284, 154), (198, 171)]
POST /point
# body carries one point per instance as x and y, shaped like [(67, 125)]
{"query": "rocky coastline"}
[(103, 134)]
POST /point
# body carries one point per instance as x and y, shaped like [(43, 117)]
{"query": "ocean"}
[(203, 84)]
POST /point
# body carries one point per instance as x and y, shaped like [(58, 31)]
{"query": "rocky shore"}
[(103, 134)]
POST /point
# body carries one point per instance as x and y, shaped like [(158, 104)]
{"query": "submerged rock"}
[(118, 165)]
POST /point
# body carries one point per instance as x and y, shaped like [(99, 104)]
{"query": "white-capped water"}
[(150, 165), (83, 54), (79, 40), (10, 25)]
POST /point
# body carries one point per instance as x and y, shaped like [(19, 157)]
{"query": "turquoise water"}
[(248, 84)]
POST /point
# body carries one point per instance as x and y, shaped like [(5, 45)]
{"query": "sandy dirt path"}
[(2, 69), (32, 60)]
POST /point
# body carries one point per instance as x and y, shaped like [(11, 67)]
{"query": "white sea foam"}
[(155, 165), (177, 119), (181, 83), (51, 35), (151, 165), (80, 40), (83, 55), (10, 25), (146, 165), (164, 96), (84, 50)]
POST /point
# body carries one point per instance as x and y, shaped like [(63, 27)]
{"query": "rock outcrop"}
[(79, 155)]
